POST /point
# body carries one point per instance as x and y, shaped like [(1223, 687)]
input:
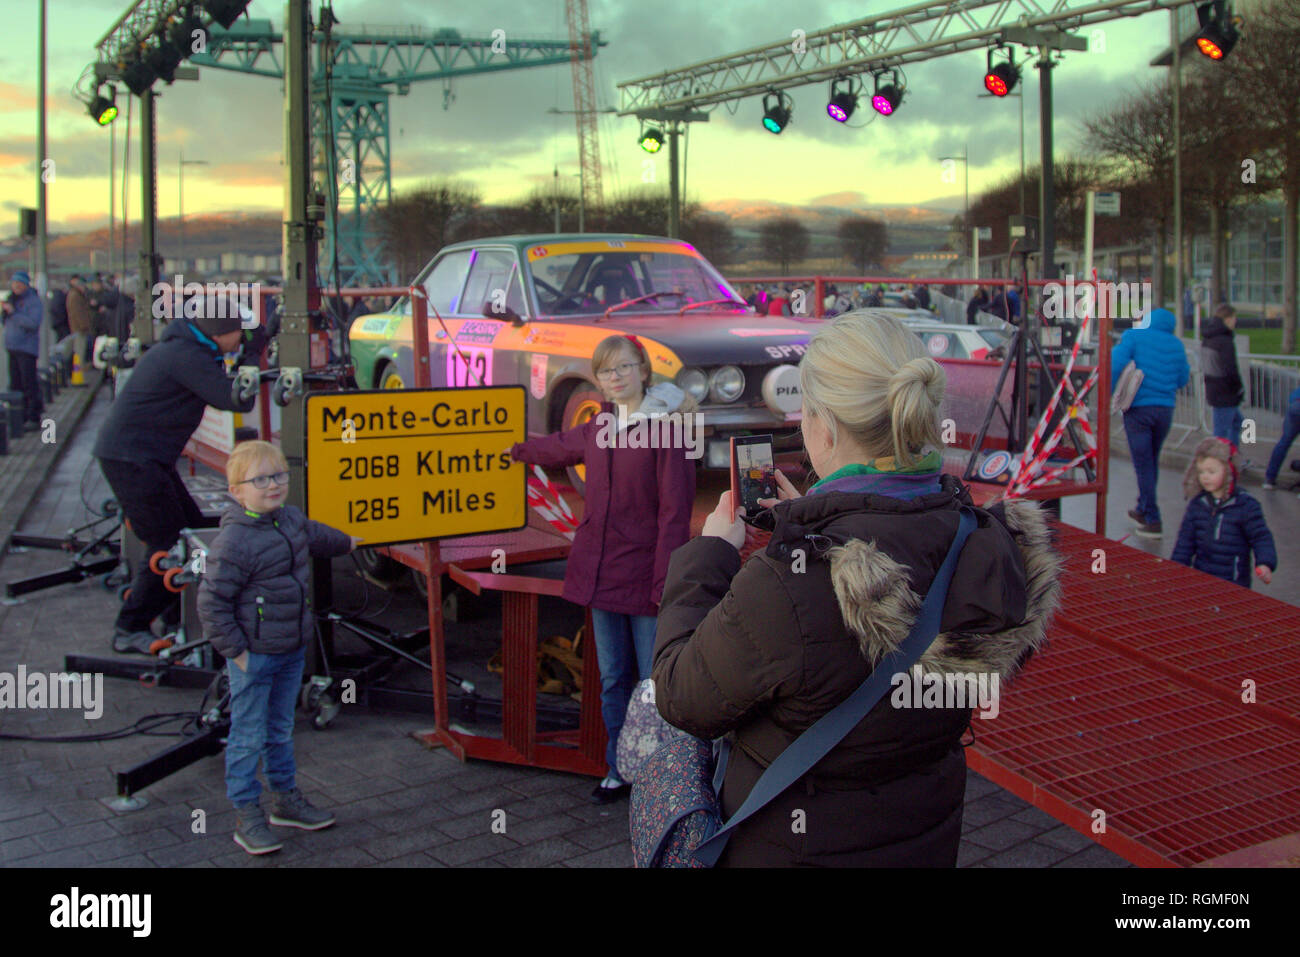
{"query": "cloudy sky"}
[(497, 134)]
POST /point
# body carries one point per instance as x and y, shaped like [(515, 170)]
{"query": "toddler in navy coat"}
[(1223, 525)]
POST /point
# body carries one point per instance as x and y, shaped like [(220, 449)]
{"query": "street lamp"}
[(965, 223), (582, 198), (180, 202)]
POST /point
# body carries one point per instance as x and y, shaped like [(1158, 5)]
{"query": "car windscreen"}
[(586, 282)]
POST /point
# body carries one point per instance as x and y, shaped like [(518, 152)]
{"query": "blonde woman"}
[(758, 653)]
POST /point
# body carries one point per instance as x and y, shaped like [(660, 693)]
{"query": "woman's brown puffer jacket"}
[(760, 652)]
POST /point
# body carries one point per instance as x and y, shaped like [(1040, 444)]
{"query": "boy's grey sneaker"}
[(133, 643), (1268, 486), (292, 809), (251, 832), (1152, 530)]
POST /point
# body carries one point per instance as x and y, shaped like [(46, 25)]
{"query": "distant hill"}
[(912, 228)]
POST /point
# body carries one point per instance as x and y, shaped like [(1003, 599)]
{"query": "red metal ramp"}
[(1135, 709)]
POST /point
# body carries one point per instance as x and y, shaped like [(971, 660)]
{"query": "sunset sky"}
[(497, 133)]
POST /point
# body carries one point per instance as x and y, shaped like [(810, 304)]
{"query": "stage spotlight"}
[(842, 102), (102, 108), (887, 98), (1001, 78), (776, 111), (652, 140), (224, 12), (163, 58), (137, 75), (1218, 33), (182, 30)]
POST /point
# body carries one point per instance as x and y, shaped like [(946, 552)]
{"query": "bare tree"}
[(535, 213), (783, 240), (641, 210), (863, 241), (1267, 71), (712, 235), (1135, 144), (416, 224)]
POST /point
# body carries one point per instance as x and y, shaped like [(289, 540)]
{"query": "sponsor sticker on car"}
[(537, 376)]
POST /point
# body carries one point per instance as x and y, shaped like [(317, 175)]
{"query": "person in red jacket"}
[(637, 510)]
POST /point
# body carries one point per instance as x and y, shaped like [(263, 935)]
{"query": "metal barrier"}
[(1270, 380), (1191, 412)]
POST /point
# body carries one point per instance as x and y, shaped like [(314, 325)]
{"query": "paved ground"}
[(398, 804)]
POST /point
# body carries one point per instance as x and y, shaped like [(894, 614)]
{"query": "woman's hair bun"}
[(921, 370)]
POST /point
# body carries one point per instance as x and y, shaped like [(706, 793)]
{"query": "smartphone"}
[(753, 473)]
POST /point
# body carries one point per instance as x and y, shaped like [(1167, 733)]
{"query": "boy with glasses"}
[(254, 606)]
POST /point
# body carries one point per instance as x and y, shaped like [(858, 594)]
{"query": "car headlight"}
[(726, 384), (694, 383)]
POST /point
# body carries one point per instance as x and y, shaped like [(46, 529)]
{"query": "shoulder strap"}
[(818, 741)]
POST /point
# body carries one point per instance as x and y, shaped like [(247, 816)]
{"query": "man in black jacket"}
[(151, 419), (1223, 386)]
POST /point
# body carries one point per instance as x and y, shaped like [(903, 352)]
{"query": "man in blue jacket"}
[(1163, 363), (147, 427), (22, 318)]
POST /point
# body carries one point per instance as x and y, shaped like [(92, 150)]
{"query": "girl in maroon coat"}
[(638, 509)]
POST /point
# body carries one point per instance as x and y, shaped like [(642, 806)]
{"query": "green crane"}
[(353, 75)]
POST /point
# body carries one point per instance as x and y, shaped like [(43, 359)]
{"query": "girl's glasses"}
[(264, 481), (626, 369)]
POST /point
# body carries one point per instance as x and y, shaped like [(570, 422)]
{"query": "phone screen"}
[(753, 472)]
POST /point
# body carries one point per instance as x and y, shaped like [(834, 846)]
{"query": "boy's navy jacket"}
[(254, 592), (1160, 356), (1218, 537), (163, 401)]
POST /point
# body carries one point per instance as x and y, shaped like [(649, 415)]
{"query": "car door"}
[(470, 357)]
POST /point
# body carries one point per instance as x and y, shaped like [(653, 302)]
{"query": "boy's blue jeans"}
[(262, 702), (625, 647)]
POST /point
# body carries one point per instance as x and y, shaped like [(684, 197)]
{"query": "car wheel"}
[(379, 567), (390, 377), (582, 404)]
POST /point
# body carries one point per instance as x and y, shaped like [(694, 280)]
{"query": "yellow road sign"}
[(408, 465)]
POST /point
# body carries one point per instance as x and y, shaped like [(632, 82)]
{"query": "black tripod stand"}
[(1016, 418), (80, 568)]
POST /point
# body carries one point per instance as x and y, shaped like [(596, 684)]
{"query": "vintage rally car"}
[(529, 310)]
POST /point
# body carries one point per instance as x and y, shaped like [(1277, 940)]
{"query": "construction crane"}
[(354, 74), (581, 51)]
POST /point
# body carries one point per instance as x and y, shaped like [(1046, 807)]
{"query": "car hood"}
[(711, 338)]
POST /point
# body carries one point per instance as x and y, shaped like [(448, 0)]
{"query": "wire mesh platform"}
[(1135, 709)]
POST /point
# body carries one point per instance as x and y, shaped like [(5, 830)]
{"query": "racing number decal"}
[(479, 370)]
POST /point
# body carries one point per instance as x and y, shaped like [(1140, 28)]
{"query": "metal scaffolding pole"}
[(142, 326), (1176, 77), (1047, 184), (41, 278)]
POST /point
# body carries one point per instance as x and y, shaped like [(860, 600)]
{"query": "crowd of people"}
[(752, 630), (85, 308), (723, 640), (784, 299), (1223, 530)]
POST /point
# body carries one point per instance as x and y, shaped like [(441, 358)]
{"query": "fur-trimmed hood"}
[(1211, 448), (883, 554)]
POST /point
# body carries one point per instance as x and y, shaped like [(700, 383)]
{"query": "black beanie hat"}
[(220, 316)]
